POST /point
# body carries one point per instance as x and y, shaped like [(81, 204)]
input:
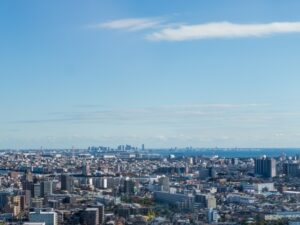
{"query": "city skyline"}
[(106, 73)]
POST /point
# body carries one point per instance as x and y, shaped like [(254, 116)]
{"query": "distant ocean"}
[(230, 153)]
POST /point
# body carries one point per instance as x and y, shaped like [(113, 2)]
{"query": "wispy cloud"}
[(169, 115), (131, 24), (223, 30)]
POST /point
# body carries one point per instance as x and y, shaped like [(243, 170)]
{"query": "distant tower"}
[(46, 188), (129, 187), (86, 169), (27, 185), (67, 183), (165, 183), (101, 212), (143, 147), (73, 153), (265, 167), (37, 190), (291, 169), (91, 216), (28, 176), (212, 216)]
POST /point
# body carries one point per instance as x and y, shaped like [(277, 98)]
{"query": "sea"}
[(230, 152)]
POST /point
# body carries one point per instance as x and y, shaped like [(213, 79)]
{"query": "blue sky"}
[(163, 73)]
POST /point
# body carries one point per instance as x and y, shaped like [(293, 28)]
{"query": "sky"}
[(163, 73)]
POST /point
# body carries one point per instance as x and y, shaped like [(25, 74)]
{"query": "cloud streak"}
[(169, 115), (223, 30), (131, 24)]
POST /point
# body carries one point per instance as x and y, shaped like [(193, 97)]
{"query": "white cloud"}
[(223, 30), (131, 24)]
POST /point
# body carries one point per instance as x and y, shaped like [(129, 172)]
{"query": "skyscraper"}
[(212, 216), (101, 212), (101, 209), (291, 169), (4, 197), (165, 183), (91, 216), (265, 167), (47, 188), (205, 201), (86, 169), (37, 190), (67, 183), (129, 187)]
